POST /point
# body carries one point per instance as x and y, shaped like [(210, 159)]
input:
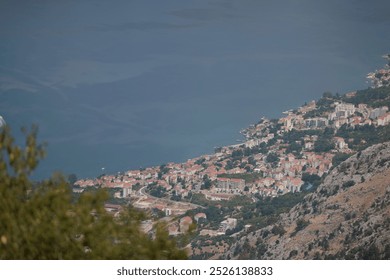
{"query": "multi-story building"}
[(378, 112), (230, 185), (316, 123), (342, 110)]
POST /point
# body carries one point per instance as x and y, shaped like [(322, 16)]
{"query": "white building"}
[(342, 110), (126, 192), (2, 122)]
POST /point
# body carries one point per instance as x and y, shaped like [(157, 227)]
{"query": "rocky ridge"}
[(347, 217)]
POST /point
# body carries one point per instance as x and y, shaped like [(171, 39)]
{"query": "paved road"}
[(143, 193)]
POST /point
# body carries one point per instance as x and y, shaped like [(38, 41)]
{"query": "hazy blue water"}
[(124, 84)]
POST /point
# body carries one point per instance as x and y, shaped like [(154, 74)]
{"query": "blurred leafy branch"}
[(40, 220)]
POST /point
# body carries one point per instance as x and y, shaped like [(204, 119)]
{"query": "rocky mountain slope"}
[(347, 217)]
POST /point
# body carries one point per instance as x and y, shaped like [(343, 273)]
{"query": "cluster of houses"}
[(184, 224), (183, 179), (343, 113), (380, 78), (221, 176), (286, 177)]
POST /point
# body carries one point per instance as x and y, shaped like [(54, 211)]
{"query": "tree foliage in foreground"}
[(40, 221)]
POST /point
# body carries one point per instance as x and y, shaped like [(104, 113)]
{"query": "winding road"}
[(142, 193)]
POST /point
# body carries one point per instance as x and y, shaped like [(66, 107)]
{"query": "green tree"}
[(40, 221), (273, 159), (72, 178), (323, 145), (156, 191), (206, 184), (294, 147), (301, 224), (327, 94)]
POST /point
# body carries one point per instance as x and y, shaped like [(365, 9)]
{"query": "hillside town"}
[(180, 179), (275, 158)]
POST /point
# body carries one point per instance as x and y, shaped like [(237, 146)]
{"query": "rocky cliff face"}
[(347, 217)]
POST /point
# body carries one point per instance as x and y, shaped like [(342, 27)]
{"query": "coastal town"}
[(194, 139), (276, 158)]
